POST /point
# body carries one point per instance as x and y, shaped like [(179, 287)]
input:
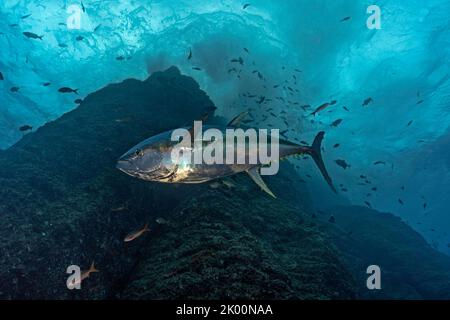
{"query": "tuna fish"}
[(152, 160)]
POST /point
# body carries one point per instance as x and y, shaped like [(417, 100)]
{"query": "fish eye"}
[(139, 153)]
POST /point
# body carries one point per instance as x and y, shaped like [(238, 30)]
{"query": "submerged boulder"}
[(63, 202), (241, 245), (410, 267)]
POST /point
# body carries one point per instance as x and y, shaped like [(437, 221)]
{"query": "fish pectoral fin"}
[(256, 177), (237, 120)]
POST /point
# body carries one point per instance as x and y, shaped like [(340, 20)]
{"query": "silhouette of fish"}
[(336, 123), (320, 108), (32, 35), (25, 128), (67, 90), (342, 163), (367, 102)]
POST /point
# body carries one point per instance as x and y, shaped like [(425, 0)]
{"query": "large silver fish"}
[(152, 160)]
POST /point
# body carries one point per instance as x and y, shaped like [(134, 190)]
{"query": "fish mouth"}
[(125, 166)]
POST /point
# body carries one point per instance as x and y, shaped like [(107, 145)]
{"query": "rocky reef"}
[(62, 202), (411, 268)]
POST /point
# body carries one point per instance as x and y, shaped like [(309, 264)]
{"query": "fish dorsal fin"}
[(254, 174), (203, 118), (237, 120)]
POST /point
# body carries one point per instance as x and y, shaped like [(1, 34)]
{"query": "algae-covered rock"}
[(62, 201), (231, 244)]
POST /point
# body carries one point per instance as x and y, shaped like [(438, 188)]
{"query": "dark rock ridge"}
[(410, 267), (62, 202)]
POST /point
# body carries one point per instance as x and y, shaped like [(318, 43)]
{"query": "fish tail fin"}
[(315, 152), (41, 37), (76, 91), (92, 268)]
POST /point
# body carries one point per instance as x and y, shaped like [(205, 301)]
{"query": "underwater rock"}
[(62, 200), (410, 267), (229, 244)]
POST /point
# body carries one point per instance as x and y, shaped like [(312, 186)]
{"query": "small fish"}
[(117, 209), (403, 188), (32, 35), (400, 201), (215, 185), (97, 27), (190, 54), (136, 234), (120, 58), (332, 219), (78, 101), (320, 108), (374, 189), (62, 45), (336, 123), (161, 221), (25, 128), (46, 84), (26, 16), (62, 24), (229, 184), (123, 120), (420, 101), (197, 68), (82, 6), (238, 60), (1, 76), (84, 275), (15, 89), (261, 99), (425, 206), (367, 101), (68, 90), (344, 189), (342, 163), (409, 123), (368, 204), (345, 108), (337, 145), (245, 6), (379, 162), (79, 38), (14, 25), (345, 19), (246, 50)]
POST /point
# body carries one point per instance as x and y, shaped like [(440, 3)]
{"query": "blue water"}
[(398, 66)]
